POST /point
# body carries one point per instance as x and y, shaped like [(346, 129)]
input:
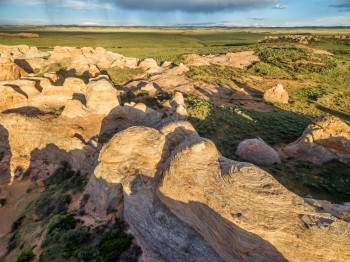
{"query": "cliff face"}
[(182, 200)]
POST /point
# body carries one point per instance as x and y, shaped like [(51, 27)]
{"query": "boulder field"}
[(182, 200)]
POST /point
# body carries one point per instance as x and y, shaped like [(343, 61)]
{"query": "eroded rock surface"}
[(326, 138), (182, 200)]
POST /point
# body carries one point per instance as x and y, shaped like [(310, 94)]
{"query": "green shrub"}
[(17, 223), (64, 223), (269, 71), (63, 173), (44, 206), (77, 237), (113, 244), (120, 76), (26, 256)]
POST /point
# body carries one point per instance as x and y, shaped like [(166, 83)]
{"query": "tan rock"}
[(239, 59), (178, 104), (251, 216), (277, 94), (101, 96), (326, 138), (258, 152), (10, 71), (54, 78)]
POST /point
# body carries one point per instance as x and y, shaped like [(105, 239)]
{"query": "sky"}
[(258, 13)]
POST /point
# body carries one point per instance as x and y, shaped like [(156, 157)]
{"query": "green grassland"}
[(160, 43)]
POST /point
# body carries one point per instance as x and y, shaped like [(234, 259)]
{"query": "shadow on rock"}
[(5, 156)]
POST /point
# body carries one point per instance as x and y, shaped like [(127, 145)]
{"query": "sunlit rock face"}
[(325, 139), (182, 200)]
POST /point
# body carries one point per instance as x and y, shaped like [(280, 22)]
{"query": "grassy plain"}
[(317, 84)]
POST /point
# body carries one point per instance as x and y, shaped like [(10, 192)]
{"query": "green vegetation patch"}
[(330, 181), (268, 71), (26, 256), (121, 76), (69, 241), (113, 244), (227, 127), (215, 74)]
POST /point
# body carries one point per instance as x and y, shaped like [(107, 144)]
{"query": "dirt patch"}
[(17, 199), (321, 52)]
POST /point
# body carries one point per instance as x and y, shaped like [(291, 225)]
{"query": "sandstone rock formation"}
[(341, 211), (8, 69), (326, 138), (301, 39), (182, 200), (257, 151), (277, 94), (239, 59), (82, 59), (251, 216)]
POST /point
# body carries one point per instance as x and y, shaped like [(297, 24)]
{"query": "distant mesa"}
[(24, 35), (300, 39)]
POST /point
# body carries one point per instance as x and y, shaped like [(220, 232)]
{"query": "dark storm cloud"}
[(151, 5), (343, 6), (190, 5)]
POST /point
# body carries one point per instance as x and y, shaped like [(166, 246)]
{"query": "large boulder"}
[(244, 213), (101, 96), (325, 139), (257, 151), (125, 180), (277, 94)]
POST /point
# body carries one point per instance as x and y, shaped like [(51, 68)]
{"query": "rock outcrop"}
[(235, 211), (277, 94), (258, 152), (238, 60), (326, 138), (182, 200), (82, 59), (8, 69)]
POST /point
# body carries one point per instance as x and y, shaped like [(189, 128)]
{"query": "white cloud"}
[(280, 6), (90, 23)]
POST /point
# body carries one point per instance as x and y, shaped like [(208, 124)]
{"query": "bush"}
[(17, 223), (65, 223), (26, 256), (113, 244), (44, 206), (60, 175), (77, 237)]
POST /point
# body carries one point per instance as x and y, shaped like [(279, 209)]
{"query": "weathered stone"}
[(326, 138), (258, 152), (277, 94)]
